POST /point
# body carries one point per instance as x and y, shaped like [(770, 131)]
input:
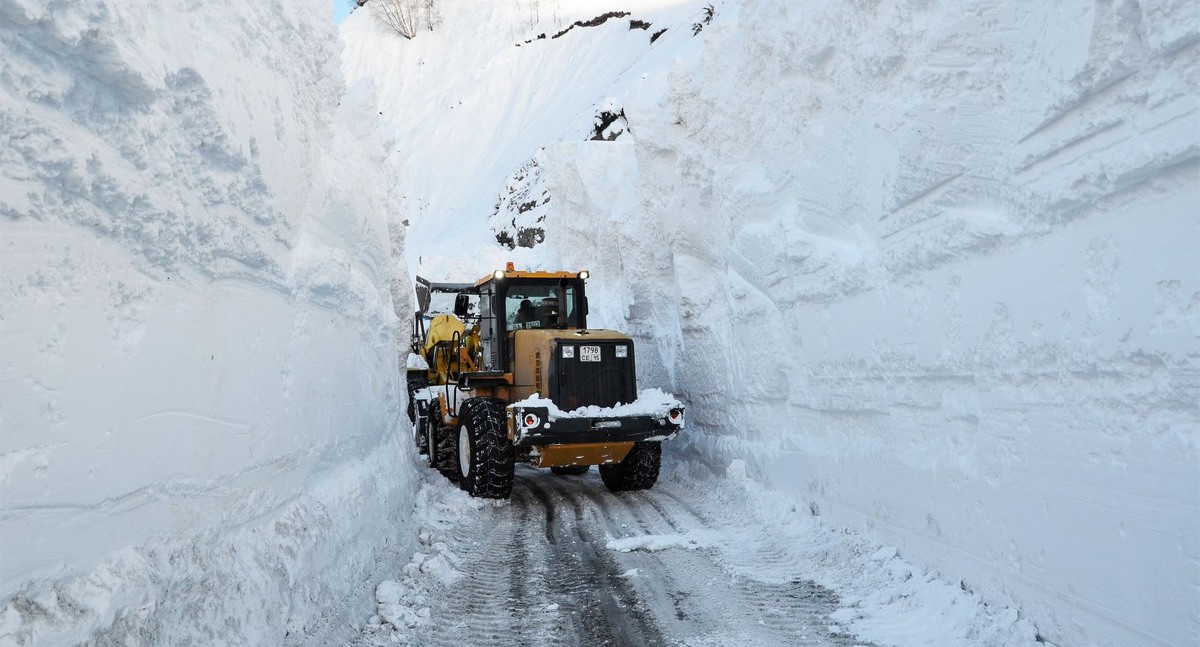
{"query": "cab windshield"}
[(543, 305)]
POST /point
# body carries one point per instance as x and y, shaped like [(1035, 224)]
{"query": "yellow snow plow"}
[(511, 373)]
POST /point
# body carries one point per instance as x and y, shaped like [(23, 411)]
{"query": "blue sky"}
[(341, 9)]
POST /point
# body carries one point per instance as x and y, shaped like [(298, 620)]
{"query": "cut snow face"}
[(198, 374)]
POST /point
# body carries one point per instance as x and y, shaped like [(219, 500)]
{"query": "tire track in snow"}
[(713, 603), (480, 607), (607, 612), (480, 597), (538, 571)]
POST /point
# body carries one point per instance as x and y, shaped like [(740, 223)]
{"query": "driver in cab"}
[(527, 315)]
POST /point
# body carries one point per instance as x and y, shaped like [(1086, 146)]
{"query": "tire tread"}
[(638, 471), (494, 459)]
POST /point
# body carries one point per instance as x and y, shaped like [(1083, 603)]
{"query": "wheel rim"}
[(464, 451)]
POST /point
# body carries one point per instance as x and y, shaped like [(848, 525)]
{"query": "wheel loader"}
[(511, 373)]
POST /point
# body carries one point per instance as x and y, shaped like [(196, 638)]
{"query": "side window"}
[(487, 331)]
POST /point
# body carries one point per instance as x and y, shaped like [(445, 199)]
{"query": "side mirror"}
[(423, 295), (462, 305)]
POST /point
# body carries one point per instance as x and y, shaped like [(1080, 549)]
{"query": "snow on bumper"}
[(655, 416)]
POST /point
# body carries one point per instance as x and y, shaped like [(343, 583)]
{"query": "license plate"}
[(589, 353)]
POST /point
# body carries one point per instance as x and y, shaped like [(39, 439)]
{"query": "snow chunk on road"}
[(690, 540), (396, 605)]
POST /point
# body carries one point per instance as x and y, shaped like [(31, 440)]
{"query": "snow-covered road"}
[(539, 571), (566, 562)]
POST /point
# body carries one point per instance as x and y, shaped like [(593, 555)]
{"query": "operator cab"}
[(510, 301)]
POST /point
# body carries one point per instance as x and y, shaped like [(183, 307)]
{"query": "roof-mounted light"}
[(584, 274), (498, 274)]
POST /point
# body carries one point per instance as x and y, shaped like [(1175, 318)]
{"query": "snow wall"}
[(930, 267), (198, 375), (936, 270)]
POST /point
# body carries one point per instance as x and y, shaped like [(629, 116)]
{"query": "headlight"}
[(584, 274), (568, 352), (498, 274), (530, 420), (675, 416), (622, 351)]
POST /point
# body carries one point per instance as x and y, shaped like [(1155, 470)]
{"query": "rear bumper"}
[(615, 429)]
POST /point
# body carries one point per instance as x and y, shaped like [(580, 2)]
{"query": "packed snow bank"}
[(931, 268), (405, 604), (198, 376)]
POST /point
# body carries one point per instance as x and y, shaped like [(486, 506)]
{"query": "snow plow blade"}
[(529, 426)]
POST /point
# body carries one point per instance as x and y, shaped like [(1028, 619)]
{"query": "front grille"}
[(606, 383)]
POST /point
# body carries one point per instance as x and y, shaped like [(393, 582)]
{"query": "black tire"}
[(420, 436), (428, 429), (488, 456), (571, 470), (416, 384), (440, 444), (639, 470)]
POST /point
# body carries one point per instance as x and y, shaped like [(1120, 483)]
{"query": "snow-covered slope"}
[(198, 402), (470, 103), (930, 267)]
